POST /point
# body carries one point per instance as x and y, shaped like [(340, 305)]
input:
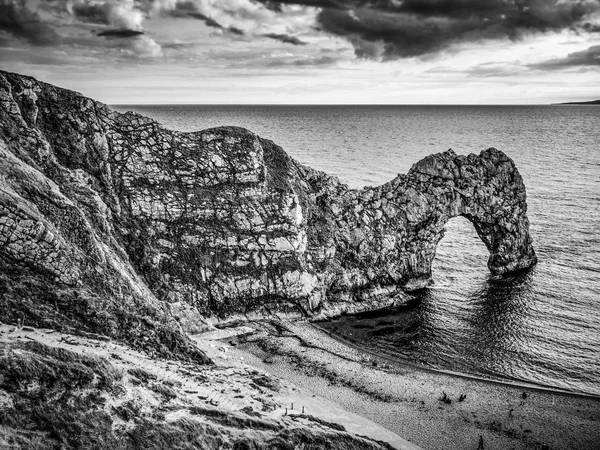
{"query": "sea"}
[(540, 327)]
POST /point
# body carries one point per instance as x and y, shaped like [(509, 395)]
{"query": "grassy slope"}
[(53, 398)]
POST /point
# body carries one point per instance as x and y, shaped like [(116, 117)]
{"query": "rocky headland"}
[(591, 102), (117, 210), (112, 226)]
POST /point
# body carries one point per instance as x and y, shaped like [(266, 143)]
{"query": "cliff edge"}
[(112, 224)]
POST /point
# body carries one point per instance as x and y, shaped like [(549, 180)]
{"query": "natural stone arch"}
[(488, 191), (392, 231)]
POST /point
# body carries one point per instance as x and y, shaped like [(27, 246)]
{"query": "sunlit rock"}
[(222, 222)]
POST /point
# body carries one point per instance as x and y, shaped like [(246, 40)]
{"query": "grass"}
[(40, 302), (39, 371), (165, 391), (58, 396), (141, 374), (70, 401)]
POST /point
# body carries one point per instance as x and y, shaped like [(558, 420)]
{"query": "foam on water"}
[(542, 326)]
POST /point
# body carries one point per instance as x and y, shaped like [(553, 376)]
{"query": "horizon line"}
[(350, 104)]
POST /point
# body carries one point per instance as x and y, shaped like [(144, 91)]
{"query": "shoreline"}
[(517, 383), (295, 373), (406, 399)]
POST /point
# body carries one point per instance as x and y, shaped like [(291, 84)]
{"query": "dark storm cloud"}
[(93, 13), (391, 29), (589, 57), (17, 20), (285, 38), (235, 30), (591, 27), (121, 33), (190, 10), (212, 23)]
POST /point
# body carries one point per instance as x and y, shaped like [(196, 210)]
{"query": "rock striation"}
[(115, 222)]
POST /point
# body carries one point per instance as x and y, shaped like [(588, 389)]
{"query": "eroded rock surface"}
[(157, 223)]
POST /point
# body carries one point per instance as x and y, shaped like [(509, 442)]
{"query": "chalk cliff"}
[(113, 223)]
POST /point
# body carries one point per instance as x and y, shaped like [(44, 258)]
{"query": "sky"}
[(308, 51)]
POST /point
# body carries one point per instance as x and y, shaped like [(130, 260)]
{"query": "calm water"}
[(543, 326)]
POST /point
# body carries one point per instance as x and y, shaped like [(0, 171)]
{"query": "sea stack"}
[(102, 211)]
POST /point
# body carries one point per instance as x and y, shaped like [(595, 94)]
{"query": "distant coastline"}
[(592, 102)]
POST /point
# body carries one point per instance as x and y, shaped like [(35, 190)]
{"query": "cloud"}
[(89, 12), (47, 22), (108, 29), (123, 14), (213, 12), (37, 56), (591, 27), (245, 17), (304, 61), (235, 30), (124, 33), (19, 21), (493, 70), (144, 47), (210, 22), (589, 57), (285, 38), (392, 29), (378, 30), (190, 10)]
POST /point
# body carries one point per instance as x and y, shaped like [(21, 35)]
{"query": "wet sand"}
[(407, 400)]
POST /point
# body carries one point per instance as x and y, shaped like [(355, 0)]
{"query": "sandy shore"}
[(296, 373), (290, 399), (407, 400)]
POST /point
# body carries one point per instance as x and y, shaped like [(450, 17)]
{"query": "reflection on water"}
[(482, 335), (496, 322)]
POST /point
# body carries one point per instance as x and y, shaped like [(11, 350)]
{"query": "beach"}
[(296, 374), (408, 400)]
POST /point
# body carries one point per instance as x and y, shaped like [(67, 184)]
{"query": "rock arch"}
[(393, 230)]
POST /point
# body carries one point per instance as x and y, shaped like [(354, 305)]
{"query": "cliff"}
[(591, 102), (113, 224), (123, 232)]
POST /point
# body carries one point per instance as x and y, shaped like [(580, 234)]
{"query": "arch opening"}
[(461, 254)]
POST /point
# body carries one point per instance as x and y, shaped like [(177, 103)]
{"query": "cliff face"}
[(109, 212)]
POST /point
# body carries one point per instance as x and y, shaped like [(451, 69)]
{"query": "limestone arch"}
[(413, 209)]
